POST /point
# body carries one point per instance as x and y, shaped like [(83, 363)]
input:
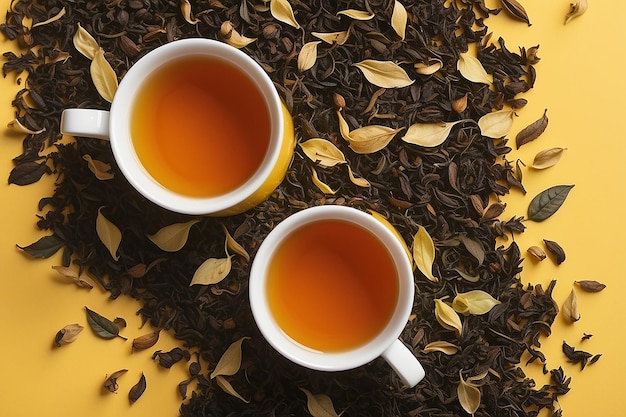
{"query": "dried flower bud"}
[(129, 47), (271, 31), (570, 307), (590, 286), (146, 341), (339, 101), (531, 55), (537, 252)]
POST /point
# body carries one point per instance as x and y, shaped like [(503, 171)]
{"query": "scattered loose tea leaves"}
[(103, 76), (319, 405), (555, 249), (102, 326), (67, 334), (570, 307), (110, 383), (575, 10), (590, 285), (137, 390), (85, 43), (516, 10), (532, 131), (547, 202), (168, 359), (17, 126), (185, 8)]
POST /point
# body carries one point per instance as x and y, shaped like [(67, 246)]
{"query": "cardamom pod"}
[(590, 285), (555, 249), (570, 307), (537, 252), (146, 341), (516, 10)]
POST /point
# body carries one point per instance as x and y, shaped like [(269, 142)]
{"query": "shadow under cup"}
[(317, 293), (197, 127)]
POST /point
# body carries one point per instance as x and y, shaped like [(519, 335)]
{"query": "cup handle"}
[(404, 363), (90, 123)]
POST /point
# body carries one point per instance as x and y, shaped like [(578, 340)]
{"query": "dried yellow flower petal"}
[(447, 317), (385, 74), (397, 234), (85, 43), (428, 135), (472, 69), (72, 275), (229, 35), (325, 188), (370, 139), (173, 237), (475, 302), (357, 14), (212, 271), (230, 362), (282, 10), (319, 405), (469, 395), (332, 37), (443, 347), (428, 68), (547, 158), (100, 169), (358, 181), (234, 246), (307, 55), (17, 126), (110, 383), (185, 8), (424, 253), (108, 233), (570, 307), (323, 152), (103, 76), (496, 124), (52, 19), (228, 388), (399, 19), (575, 10)]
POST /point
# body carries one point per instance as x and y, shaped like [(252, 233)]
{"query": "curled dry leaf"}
[(443, 347), (234, 246), (307, 55), (52, 19), (447, 317), (537, 252), (547, 202), (385, 74), (590, 285), (85, 43), (229, 35), (472, 69), (185, 8), (146, 341), (475, 302), (102, 326), (67, 334), (575, 10), (358, 181), (319, 405), (110, 383), (428, 68), (570, 307), (372, 138), (424, 253), (332, 37), (282, 10), (496, 124), (399, 19), (228, 388), (428, 135), (103, 76), (100, 169), (212, 271), (356, 14), (532, 131), (556, 250), (460, 104), (72, 275), (173, 237), (325, 188), (109, 234), (138, 389), (468, 394), (516, 10), (474, 247), (547, 158), (230, 362), (323, 152), (16, 126)]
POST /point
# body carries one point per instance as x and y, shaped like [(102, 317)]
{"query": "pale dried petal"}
[(325, 188), (228, 388), (357, 14), (428, 68), (370, 139), (447, 317), (323, 152), (469, 395), (230, 362), (17, 126), (185, 8), (537, 253), (319, 405), (282, 10), (85, 43), (109, 234), (424, 253), (397, 234), (472, 69), (234, 246), (385, 74), (361, 182), (575, 10), (173, 237), (496, 124), (72, 275), (399, 19), (103, 76), (475, 302), (570, 307), (547, 158), (443, 347), (344, 129), (52, 19), (307, 55), (428, 134), (67, 334), (232, 37), (212, 271), (332, 37), (100, 169)]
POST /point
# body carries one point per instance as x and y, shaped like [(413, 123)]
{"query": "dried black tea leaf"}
[(43, 248), (102, 326), (547, 202), (110, 383), (532, 131), (577, 356), (590, 285), (167, 359), (138, 389), (556, 250), (28, 172)]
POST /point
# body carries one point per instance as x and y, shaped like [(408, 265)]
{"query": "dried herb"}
[(579, 356), (537, 253), (67, 334), (570, 307), (532, 131), (575, 10), (555, 249), (590, 285), (110, 383), (137, 390), (168, 359), (516, 10), (146, 341), (547, 202), (173, 237), (102, 326), (547, 158)]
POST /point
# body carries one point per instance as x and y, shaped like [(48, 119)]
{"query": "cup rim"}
[(330, 361), (121, 142)]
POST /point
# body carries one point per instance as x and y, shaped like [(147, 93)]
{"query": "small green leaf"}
[(547, 202), (44, 247), (102, 326)]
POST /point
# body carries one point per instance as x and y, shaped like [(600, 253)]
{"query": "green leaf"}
[(44, 247), (102, 326), (547, 202)]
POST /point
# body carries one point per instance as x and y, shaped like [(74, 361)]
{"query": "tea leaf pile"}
[(444, 187)]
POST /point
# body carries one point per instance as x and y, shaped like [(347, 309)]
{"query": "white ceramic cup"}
[(114, 125), (385, 343)]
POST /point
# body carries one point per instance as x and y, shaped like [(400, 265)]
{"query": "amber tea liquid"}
[(332, 286), (200, 127)]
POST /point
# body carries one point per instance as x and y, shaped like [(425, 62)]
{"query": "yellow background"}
[(580, 82)]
